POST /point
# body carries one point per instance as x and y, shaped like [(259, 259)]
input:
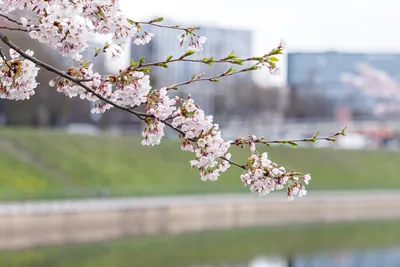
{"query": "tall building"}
[(321, 74), (220, 43)]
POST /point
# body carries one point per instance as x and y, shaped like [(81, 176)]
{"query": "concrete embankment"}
[(29, 224)]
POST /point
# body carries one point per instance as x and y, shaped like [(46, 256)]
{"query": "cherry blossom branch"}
[(214, 78), (10, 19), (155, 24), (242, 141), (12, 29), (4, 59), (130, 89), (208, 61), (231, 58), (267, 59), (50, 68), (233, 163), (98, 52)]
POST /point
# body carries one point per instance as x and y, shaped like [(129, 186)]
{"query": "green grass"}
[(233, 246), (62, 165)]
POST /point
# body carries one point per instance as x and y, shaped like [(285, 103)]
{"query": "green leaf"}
[(208, 61), (238, 62), (168, 58), (230, 70), (133, 63), (214, 80), (231, 55), (272, 64), (251, 68), (293, 143), (130, 21), (188, 53), (273, 59), (141, 60), (158, 19), (275, 51), (162, 64), (146, 70)]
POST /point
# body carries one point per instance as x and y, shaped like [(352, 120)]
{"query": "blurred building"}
[(319, 74), (220, 43)]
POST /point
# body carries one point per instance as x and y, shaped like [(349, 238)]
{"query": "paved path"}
[(44, 223), (108, 204)]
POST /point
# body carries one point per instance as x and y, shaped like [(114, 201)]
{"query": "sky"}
[(305, 25)]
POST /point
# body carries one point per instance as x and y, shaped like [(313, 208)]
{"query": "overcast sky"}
[(305, 25)]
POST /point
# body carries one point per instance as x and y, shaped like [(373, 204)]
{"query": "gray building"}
[(320, 73), (220, 43)]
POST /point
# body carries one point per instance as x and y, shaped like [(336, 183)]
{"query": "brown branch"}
[(222, 60), (211, 78), (175, 27), (68, 77), (314, 138), (5, 60), (12, 29), (233, 163), (10, 19), (77, 81)]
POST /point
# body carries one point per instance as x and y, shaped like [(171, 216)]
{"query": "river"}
[(355, 244)]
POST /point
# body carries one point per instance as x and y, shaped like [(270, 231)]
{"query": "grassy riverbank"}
[(41, 164)]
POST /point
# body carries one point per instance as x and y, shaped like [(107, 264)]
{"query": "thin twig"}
[(222, 60), (314, 138), (210, 79), (10, 19), (233, 163), (13, 29), (5, 59), (175, 27)]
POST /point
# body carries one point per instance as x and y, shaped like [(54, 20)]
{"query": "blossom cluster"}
[(128, 90), (264, 176), (201, 136), (67, 25), (17, 77), (161, 106), (132, 89), (195, 41)]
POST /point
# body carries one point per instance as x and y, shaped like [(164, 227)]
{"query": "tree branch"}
[(50, 68), (10, 19), (5, 59), (222, 60), (66, 76), (12, 29), (175, 27), (211, 78), (332, 138)]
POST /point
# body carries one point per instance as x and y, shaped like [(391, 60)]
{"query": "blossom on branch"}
[(264, 176), (17, 77), (202, 137), (195, 41)]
